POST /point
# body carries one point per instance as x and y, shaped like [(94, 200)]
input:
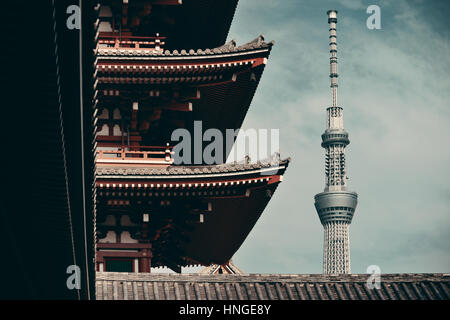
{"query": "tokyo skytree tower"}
[(335, 205)]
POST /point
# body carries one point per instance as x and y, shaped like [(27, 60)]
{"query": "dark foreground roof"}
[(45, 229), (134, 286)]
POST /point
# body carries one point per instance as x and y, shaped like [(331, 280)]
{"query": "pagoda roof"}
[(230, 48), (227, 268), (236, 195), (177, 171), (226, 78), (157, 286)]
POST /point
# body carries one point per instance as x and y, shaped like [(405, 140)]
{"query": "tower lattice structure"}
[(335, 206)]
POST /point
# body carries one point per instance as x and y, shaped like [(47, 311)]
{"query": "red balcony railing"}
[(115, 40), (137, 155)]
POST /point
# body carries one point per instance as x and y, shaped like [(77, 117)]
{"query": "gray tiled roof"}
[(192, 170), (228, 48), (146, 286)]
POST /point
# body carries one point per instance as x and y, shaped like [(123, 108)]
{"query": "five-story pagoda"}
[(162, 65)]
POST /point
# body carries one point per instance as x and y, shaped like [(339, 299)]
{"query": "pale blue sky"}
[(394, 87)]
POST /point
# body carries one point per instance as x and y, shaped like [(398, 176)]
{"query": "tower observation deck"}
[(335, 206)]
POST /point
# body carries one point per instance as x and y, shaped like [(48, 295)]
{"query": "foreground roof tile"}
[(151, 286)]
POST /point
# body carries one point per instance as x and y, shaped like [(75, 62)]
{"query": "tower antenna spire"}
[(332, 21), (335, 206)]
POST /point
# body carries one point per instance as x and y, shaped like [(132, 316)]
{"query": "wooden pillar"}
[(145, 262)]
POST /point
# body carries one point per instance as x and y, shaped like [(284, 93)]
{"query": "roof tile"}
[(273, 287), (191, 170), (227, 48)]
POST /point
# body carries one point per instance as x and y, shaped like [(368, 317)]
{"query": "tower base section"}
[(336, 248), (335, 210)]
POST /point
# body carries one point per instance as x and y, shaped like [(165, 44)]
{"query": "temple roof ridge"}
[(193, 169), (227, 48)]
